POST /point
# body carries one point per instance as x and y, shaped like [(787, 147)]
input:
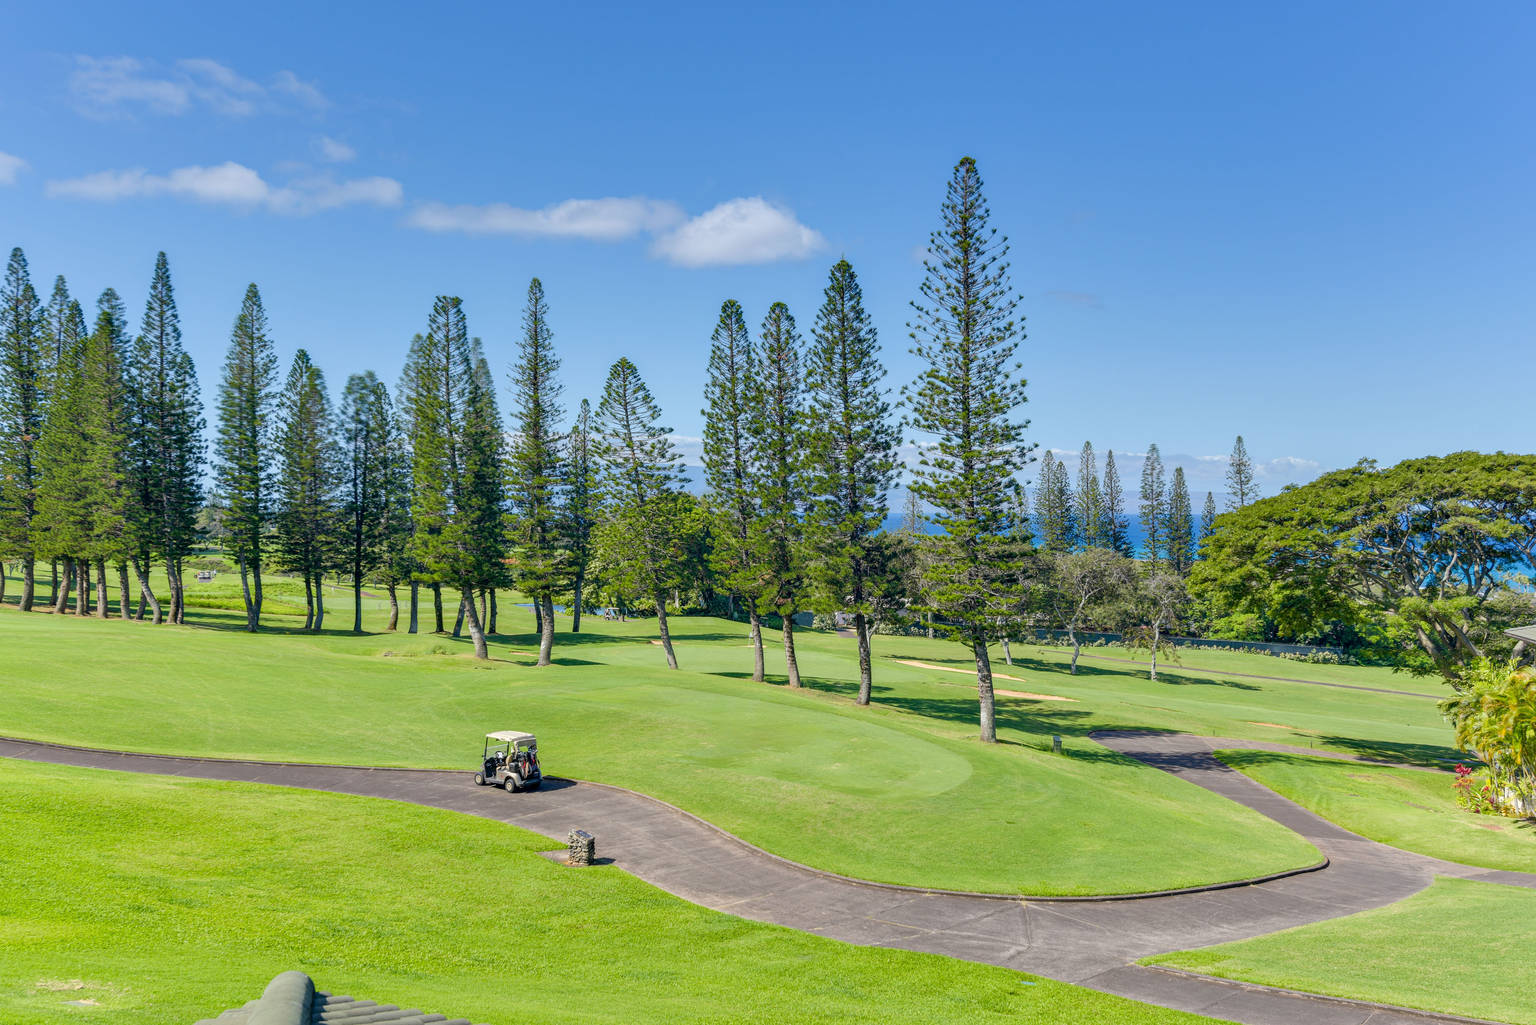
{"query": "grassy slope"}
[(1409, 808), (163, 898), (1459, 947)]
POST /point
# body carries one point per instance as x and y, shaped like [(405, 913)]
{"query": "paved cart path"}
[(1091, 943)]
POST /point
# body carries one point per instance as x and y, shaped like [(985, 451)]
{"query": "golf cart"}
[(511, 760)]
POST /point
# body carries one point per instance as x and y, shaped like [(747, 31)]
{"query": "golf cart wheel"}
[(513, 784), (479, 779)]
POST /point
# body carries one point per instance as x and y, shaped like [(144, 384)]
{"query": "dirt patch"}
[(60, 985), (996, 676), (1273, 725)]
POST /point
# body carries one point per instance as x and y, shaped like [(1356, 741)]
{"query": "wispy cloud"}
[(10, 167), (333, 151), (231, 184), (124, 86), (602, 220), (739, 231)]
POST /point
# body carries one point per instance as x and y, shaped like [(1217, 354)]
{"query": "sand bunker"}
[(996, 676)]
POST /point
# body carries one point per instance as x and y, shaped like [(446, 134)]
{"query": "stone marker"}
[(1056, 743), (583, 847)]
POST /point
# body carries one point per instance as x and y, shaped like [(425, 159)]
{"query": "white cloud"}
[(107, 86), (333, 151), (233, 184), (10, 167), (739, 231), (604, 220), (292, 85)]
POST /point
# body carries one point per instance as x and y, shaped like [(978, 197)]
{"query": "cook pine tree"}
[(642, 472), (1088, 500), (485, 469), (851, 441), (447, 498), (966, 401), (306, 533), (168, 432), (732, 392), (365, 435), (537, 466), (1181, 525), (1207, 520), (22, 410), (1154, 508), (583, 505), (1116, 526), (244, 448), (1240, 486), (776, 429)]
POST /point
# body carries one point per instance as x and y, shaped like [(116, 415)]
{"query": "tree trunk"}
[(415, 608), (538, 617), (1007, 652), (790, 662), (1076, 647), (245, 592), (319, 602), (125, 598), (146, 593), (491, 626), (984, 691), (458, 624), (256, 579), (437, 605), (3, 581), (485, 609), (101, 588), (28, 572), (53, 579), (929, 617), (1157, 634), (309, 604), (173, 579), (759, 671), (866, 678), (661, 626), (547, 628), (82, 587), (357, 603), (576, 605), (394, 610), (61, 593), (476, 630)]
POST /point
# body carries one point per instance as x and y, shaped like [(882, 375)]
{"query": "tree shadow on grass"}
[(1436, 756)]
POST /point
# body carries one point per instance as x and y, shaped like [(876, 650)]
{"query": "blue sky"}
[(1308, 223)]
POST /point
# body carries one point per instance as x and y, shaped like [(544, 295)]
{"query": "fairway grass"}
[(169, 900), (1459, 947), (1414, 809)]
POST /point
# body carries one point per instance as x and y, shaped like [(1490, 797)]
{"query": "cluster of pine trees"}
[(101, 445)]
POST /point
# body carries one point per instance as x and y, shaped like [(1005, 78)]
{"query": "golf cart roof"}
[(509, 736)]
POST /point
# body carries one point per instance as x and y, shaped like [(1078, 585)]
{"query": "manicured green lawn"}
[(1459, 947), (171, 900), (1414, 809)]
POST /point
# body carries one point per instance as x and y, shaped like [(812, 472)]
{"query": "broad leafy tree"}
[(966, 403), (851, 440), (642, 472), (1083, 588), (244, 449)]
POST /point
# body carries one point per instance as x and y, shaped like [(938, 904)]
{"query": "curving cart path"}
[(1091, 943)]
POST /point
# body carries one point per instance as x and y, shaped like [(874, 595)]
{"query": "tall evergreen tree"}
[(851, 440), (1154, 507), (967, 400), (243, 469), (1088, 501), (61, 521), (308, 473), (642, 474), (583, 504), (63, 328), (538, 469), (395, 530), (168, 428), (1055, 509), (776, 427), (1241, 489), (485, 481), (1116, 526), (1181, 525), (1207, 520), (106, 427), (732, 391), (23, 365), (448, 495), (366, 436)]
